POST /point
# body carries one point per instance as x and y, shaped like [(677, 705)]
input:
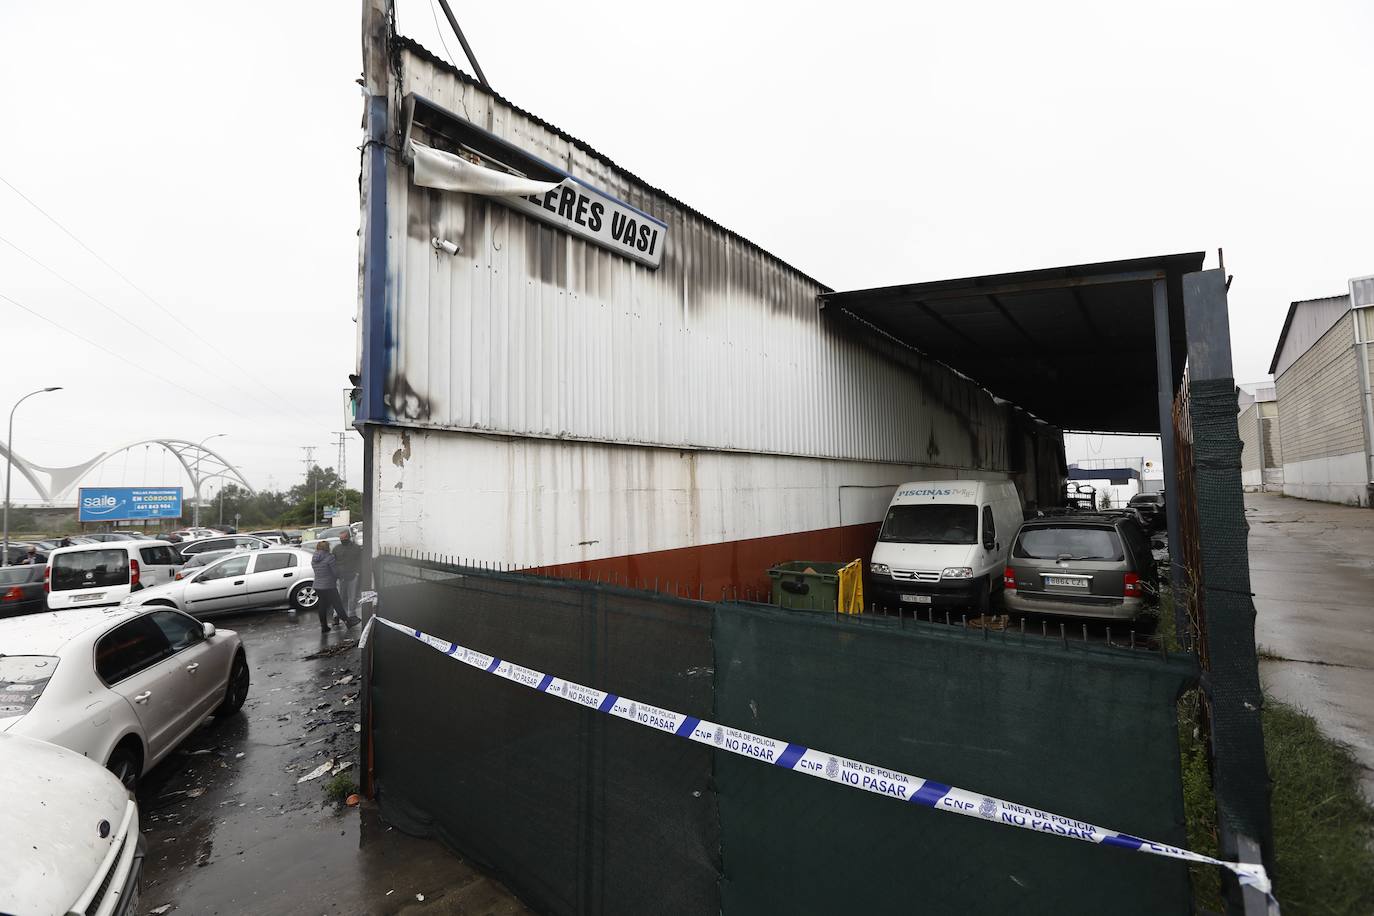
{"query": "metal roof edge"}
[(421, 51), (1179, 262), (1288, 324)]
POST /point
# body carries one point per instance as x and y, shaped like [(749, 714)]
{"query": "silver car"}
[(241, 581)]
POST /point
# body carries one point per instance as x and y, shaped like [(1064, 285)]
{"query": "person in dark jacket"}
[(349, 559), (327, 586)]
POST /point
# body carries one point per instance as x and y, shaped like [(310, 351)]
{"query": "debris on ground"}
[(332, 651), (159, 911), (352, 800), (340, 768), (317, 772)]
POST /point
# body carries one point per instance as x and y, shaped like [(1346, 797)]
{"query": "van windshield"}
[(931, 524), (90, 569)]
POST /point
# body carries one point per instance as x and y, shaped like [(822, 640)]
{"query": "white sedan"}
[(69, 837), (238, 582), (121, 686)]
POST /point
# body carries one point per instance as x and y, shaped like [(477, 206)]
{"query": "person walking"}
[(348, 557), (327, 586)]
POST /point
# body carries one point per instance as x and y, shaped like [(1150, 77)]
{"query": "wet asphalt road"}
[(1312, 572), (231, 830)]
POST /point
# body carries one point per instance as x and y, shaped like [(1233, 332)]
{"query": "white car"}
[(91, 575), (121, 686), (69, 837), (195, 534), (238, 582)]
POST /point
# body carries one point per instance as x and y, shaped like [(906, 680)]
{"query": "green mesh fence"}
[(582, 813)]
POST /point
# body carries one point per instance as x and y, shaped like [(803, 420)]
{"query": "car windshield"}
[(931, 524), (22, 679), (1068, 543), (89, 569)]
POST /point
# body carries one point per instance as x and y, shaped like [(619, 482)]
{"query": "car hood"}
[(50, 824), (923, 557)]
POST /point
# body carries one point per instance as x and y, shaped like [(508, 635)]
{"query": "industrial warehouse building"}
[(1261, 457), (596, 379), (1321, 370)]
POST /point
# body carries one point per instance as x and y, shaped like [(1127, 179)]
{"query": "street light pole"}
[(199, 446), (9, 468)]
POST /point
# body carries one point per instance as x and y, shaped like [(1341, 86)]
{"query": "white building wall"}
[(551, 402), (1321, 424), (536, 502), (534, 332)]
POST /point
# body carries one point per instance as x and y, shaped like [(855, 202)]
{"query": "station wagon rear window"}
[(22, 679), (89, 569), (1069, 543), (931, 524)]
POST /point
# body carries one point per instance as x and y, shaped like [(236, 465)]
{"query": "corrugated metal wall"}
[(1319, 399), (532, 332)]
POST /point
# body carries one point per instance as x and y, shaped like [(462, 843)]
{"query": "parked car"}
[(1081, 565), (329, 535), (123, 686), (280, 538), (293, 535), (69, 834), (231, 542), (1151, 508), (199, 560), (242, 581), (100, 574), (19, 550), (195, 534), (944, 543), (21, 590), (47, 545), (105, 536)]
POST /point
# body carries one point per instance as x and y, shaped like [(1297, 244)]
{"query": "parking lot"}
[(231, 827)]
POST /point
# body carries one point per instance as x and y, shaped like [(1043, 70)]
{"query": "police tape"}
[(852, 773)]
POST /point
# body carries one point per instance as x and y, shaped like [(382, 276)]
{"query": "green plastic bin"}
[(806, 585)]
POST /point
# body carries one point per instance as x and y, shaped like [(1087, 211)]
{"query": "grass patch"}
[(1323, 828), (339, 788)]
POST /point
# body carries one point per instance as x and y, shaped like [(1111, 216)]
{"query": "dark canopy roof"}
[(1073, 345)]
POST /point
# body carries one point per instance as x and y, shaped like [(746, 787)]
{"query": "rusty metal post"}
[(1164, 382)]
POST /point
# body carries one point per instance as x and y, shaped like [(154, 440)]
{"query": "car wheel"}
[(125, 763), (304, 598), (236, 691)]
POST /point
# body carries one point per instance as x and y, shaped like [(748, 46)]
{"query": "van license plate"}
[(916, 599), (1066, 581)]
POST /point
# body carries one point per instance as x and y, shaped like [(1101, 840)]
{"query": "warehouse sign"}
[(599, 218), (118, 504), (569, 204)]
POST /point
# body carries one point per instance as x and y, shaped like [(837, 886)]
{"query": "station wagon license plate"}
[(1066, 581), (916, 599)]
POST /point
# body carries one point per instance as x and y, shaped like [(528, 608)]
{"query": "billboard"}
[(118, 504)]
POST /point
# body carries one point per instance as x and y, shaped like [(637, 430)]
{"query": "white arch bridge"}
[(54, 485)]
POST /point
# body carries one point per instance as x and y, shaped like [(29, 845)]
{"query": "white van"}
[(944, 544), (90, 575)]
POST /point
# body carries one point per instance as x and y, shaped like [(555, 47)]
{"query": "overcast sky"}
[(209, 153)]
